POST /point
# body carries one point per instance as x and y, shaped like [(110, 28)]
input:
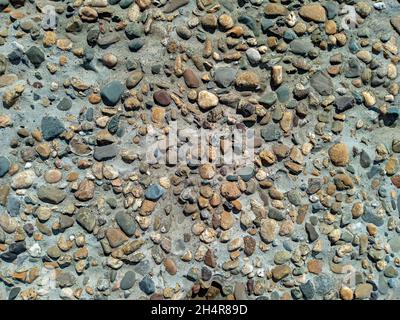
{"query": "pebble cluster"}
[(84, 214)]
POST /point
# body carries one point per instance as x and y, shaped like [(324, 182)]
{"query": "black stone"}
[(17, 247), (8, 256)]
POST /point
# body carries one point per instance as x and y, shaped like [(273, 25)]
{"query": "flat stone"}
[(344, 103), (86, 219), (280, 272), (154, 192), (191, 79), (111, 93), (133, 79), (301, 46), (363, 291), (51, 128), (126, 223), (103, 153), (313, 12), (224, 76), (322, 83), (35, 56), (4, 166), (268, 230), (128, 280), (147, 285), (50, 194), (23, 179), (162, 98), (115, 237)]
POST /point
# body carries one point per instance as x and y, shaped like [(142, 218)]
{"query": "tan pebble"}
[(207, 100), (207, 171), (53, 176), (313, 12), (64, 44), (346, 293), (339, 154), (49, 38), (43, 149), (230, 190), (330, 27), (369, 98), (109, 60), (225, 21)]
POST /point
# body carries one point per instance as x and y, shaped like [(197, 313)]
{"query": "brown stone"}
[(170, 266), (207, 171), (247, 80), (363, 291), (249, 245), (315, 266), (230, 190), (225, 21), (43, 149), (162, 98), (147, 207), (53, 176), (396, 181), (210, 259), (191, 79), (85, 190), (346, 293), (275, 9), (313, 12), (339, 154), (227, 220), (280, 272), (116, 237)]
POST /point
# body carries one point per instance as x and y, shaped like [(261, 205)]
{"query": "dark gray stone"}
[(370, 217), (4, 166), (51, 128), (344, 103), (224, 76), (365, 160), (126, 223), (301, 46), (65, 104), (307, 289), (35, 56), (322, 83), (276, 214), (128, 280), (147, 285), (112, 92), (102, 153), (13, 206), (272, 132), (311, 232)]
